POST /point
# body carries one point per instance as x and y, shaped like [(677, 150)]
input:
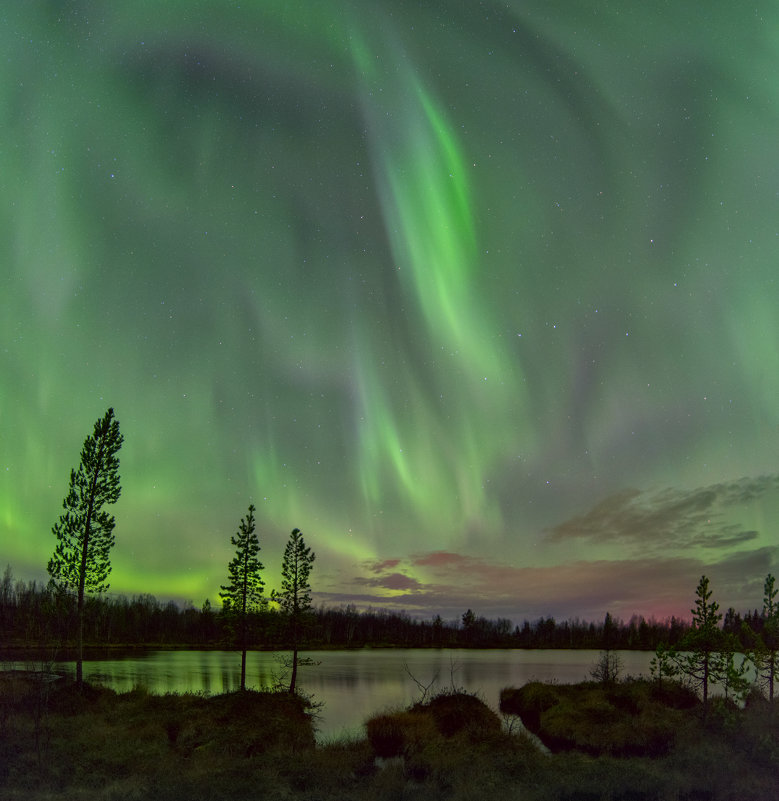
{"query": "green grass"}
[(104, 746)]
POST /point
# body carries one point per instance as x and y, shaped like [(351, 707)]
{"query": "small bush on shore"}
[(675, 695)]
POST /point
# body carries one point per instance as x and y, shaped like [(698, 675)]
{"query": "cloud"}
[(669, 518), (382, 565), (393, 581), (448, 583), (728, 538), (745, 490), (655, 545)]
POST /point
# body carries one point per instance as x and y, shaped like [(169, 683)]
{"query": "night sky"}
[(483, 297)]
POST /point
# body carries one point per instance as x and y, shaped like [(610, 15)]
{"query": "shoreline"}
[(17, 652)]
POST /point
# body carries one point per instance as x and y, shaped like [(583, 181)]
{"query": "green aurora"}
[(482, 297)]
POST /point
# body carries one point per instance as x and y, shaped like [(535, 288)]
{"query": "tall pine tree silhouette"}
[(294, 598), (84, 531), (242, 595)]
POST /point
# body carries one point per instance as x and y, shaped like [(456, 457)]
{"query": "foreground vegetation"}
[(631, 740)]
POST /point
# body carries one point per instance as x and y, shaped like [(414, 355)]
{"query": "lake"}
[(352, 684)]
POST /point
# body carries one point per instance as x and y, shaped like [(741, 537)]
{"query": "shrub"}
[(675, 695), (385, 734), (608, 668), (395, 734)]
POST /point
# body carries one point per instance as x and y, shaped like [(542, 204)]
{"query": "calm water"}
[(353, 684)]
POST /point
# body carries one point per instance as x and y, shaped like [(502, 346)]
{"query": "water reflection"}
[(352, 684)]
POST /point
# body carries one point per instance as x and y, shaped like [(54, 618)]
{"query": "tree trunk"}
[(80, 606), (294, 678), (80, 660), (243, 618), (82, 579)]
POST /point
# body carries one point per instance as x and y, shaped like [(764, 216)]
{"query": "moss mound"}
[(450, 743), (457, 711), (445, 716), (628, 719)]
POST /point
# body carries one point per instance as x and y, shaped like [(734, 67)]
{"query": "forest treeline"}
[(32, 615)]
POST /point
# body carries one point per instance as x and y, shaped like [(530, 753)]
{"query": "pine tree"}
[(664, 664), (294, 599), (704, 662), (243, 594), (84, 532), (733, 672), (766, 656)]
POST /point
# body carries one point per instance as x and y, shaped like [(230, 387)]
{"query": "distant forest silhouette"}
[(31, 615)]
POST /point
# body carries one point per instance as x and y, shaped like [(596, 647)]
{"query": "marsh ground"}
[(99, 745)]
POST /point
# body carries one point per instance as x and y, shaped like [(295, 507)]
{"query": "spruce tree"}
[(242, 595), (294, 598), (84, 532)]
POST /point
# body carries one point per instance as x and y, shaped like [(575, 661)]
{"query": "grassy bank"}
[(100, 745), (661, 733)]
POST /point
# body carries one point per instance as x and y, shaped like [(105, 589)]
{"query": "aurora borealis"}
[(480, 296)]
